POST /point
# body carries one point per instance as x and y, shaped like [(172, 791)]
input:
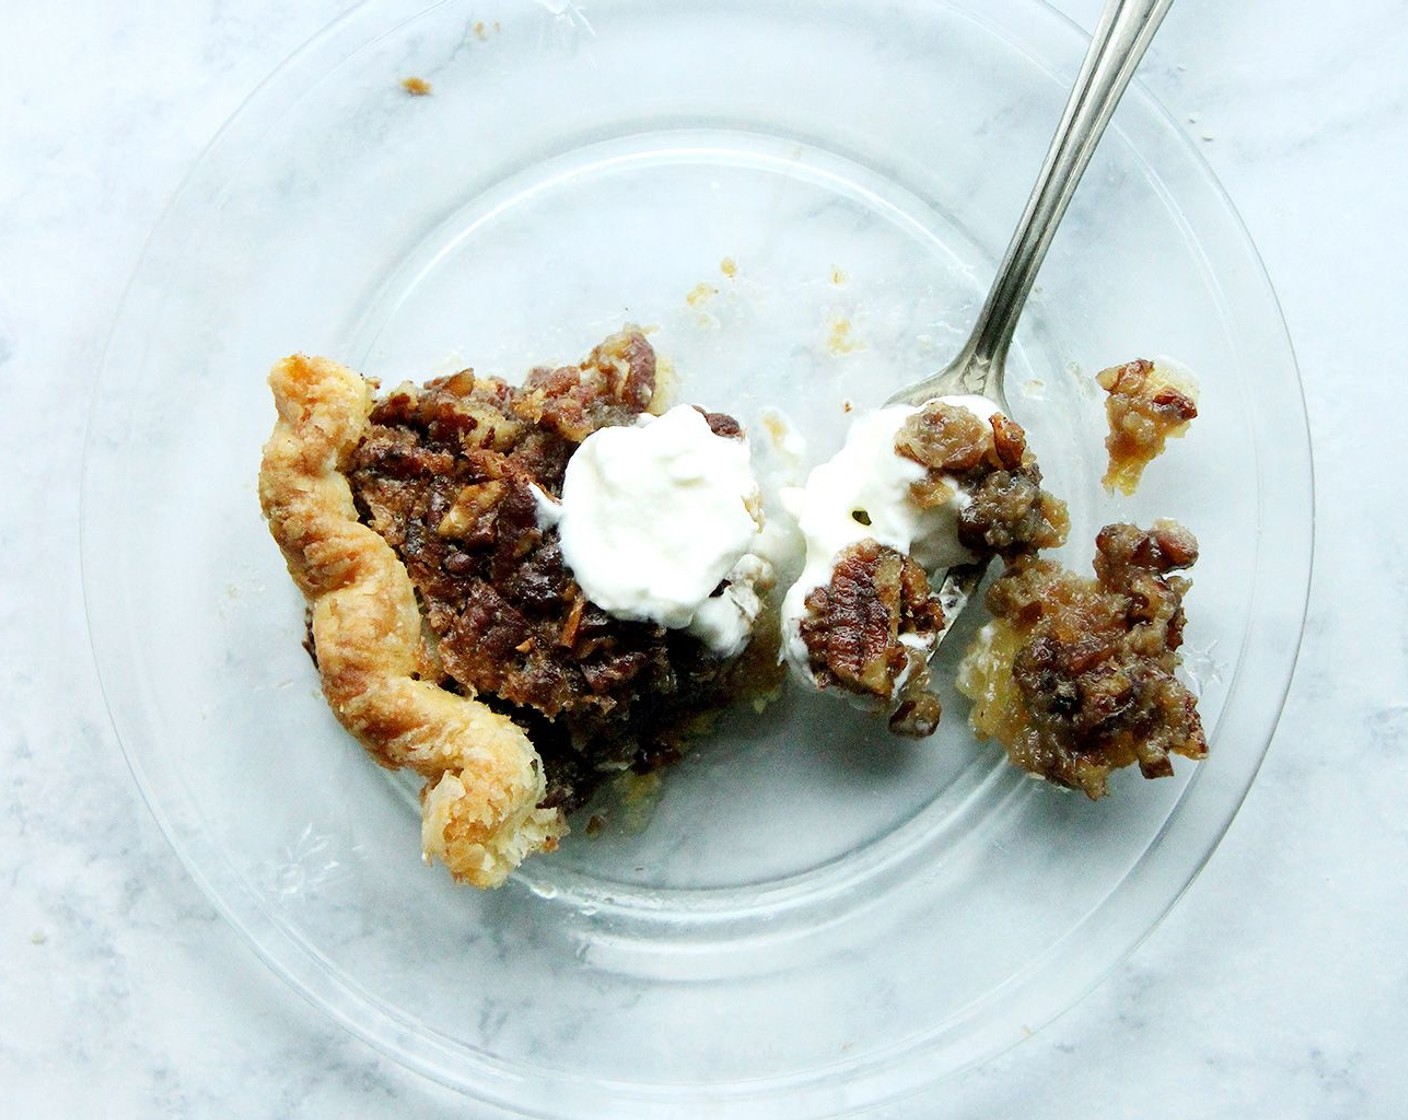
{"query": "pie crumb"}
[(1148, 404)]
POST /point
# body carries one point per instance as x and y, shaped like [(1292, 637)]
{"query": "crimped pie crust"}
[(484, 779)]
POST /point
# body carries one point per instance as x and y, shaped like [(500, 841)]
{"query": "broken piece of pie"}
[(1149, 403), (913, 493), (1076, 677), (453, 636)]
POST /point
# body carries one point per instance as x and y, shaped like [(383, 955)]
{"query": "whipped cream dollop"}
[(655, 517), (864, 492)]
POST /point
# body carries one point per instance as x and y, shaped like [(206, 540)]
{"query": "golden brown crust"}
[(484, 778)]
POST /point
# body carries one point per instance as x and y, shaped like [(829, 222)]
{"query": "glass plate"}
[(806, 202)]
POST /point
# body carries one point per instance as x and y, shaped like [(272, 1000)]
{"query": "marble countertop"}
[(1278, 985)]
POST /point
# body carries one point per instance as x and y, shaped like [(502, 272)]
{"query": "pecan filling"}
[(447, 474)]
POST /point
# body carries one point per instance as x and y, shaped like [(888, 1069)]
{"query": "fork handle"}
[(1119, 42)]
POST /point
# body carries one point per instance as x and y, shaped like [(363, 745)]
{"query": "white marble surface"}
[(1277, 987)]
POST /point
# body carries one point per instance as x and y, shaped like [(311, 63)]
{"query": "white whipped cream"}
[(654, 517), (863, 492)]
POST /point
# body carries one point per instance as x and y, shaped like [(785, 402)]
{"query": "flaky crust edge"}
[(484, 779)]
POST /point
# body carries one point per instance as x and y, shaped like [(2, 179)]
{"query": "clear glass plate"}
[(806, 201)]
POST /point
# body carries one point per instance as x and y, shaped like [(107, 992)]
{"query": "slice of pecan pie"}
[(450, 635)]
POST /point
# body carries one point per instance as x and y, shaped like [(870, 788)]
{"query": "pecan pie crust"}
[(449, 632)]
